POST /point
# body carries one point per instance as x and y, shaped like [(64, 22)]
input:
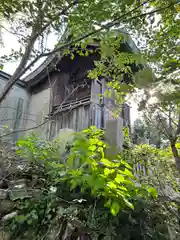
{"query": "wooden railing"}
[(70, 105)]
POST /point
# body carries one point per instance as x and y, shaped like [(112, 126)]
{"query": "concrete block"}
[(4, 235), (114, 135)]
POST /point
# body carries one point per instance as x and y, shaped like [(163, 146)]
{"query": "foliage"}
[(139, 131), (34, 21), (151, 131), (165, 48), (81, 176), (88, 168), (94, 194), (156, 167), (155, 162), (164, 117), (159, 45)]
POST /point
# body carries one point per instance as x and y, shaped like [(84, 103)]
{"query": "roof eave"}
[(5, 76)]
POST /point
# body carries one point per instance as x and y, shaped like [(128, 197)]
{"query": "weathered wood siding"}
[(14, 110), (77, 119), (70, 99), (71, 104), (126, 114), (80, 118), (102, 105), (71, 81)]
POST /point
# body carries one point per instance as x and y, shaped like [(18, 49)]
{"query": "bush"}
[(81, 188)]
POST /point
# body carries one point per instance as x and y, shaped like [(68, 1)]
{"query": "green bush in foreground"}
[(100, 196)]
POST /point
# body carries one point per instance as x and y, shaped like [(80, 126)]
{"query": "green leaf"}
[(112, 185), (92, 148), (129, 2), (144, 78), (126, 164), (108, 203), (126, 172), (119, 178), (107, 171), (115, 207), (178, 145), (21, 218), (98, 183), (124, 88), (129, 204), (106, 162), (123, 189), (29, 221), (153, 192), (72, 56)]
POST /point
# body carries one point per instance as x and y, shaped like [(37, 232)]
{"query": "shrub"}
[(81, 187)]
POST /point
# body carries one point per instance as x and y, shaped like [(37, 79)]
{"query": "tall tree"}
[(148, 130), (138, 131), (167, 123), (154, 135)]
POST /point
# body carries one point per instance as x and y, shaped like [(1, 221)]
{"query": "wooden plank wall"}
[(80, 118), (76, 119), (102, 106)]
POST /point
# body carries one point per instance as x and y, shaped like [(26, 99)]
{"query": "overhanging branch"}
[(106, 26), (34, 35)]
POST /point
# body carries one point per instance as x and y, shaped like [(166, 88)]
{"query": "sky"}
[(10, 42)]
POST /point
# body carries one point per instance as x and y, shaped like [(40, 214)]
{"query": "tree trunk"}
[(17, 74), (176, 156)]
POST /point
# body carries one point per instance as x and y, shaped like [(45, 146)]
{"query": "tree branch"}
[(17, 72), (34, 35), (156, 127), (160, 109), (169, 135), (106, 26), (21, 69), (24, 130)]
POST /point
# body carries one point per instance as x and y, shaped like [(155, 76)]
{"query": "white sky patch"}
[(134, 114), (11, 43)]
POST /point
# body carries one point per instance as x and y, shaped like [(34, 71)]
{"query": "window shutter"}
[(19, 112)]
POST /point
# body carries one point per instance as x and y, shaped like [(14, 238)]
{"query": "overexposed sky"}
[(133, 112), (11, 43)]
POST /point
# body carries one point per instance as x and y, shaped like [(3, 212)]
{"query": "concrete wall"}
[(20, 110), (13, 110), (38, 111), (114, 136)]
